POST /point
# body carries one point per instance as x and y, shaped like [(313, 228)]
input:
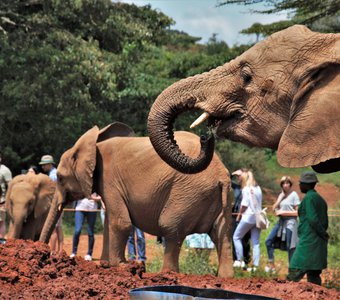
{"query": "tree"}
[(311, 10)]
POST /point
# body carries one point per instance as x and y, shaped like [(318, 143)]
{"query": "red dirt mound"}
[(28, 271)]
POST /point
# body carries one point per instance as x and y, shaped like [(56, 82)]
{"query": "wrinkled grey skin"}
[(283, 93), (139, 188), (28, 201)]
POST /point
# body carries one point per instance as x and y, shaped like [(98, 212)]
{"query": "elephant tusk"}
[(200, 119)]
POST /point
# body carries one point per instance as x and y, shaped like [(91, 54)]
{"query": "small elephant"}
[(28, 202), (283, 93), (139, 188)]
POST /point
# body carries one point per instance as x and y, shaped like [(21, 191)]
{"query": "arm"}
[(313, 218), (242, 210), (286, 213), (277, 203)]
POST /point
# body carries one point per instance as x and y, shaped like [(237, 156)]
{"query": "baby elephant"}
[(28, 202)]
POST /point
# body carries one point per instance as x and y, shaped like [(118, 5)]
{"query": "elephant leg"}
[(117, 226), (118, 235), (221, 236), (171, 254)]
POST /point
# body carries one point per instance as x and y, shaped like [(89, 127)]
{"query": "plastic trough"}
[(180, 292)]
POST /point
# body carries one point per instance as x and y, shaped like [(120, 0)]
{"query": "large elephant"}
[(139, 188), (283, 93), (28, 201)]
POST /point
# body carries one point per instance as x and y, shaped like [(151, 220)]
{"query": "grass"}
[(193, 263)]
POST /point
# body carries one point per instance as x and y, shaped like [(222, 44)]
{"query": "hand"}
[(278, 213), (96, 197)]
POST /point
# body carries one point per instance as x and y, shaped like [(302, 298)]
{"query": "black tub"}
[(180, 292)]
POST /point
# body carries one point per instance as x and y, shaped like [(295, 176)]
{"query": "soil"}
[(27, 271)]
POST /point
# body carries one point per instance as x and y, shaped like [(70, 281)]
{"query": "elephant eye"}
[(246, 78)]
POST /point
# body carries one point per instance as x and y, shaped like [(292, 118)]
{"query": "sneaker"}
[(269, 269), (253, 269), (238, 264), (88, 257), (72, 255)]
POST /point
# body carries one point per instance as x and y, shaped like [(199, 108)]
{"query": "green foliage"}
[(197, 261), (235, 156)]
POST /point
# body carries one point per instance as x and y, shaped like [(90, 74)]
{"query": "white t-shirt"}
[(248, 194), (86, 204), (288, 203)]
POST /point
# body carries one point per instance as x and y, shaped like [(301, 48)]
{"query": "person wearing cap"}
[(310, 256), (236, 186), (47, 164), (5, 178)]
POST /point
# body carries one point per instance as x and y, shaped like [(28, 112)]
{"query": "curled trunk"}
[(51, 220), (160, 126)]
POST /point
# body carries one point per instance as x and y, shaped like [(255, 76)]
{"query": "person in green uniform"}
[(310, 256)]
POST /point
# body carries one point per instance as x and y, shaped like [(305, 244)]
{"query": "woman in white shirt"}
[(284, 234), (85, 208), (251, 202)]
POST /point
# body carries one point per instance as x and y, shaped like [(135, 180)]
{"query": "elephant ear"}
[(312, 135), (113, 130), (45, 191), (83, 159)]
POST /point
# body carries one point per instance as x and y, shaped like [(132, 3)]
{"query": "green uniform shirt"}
[(311, 251)]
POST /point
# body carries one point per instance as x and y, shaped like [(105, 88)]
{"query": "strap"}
[(254, 206)]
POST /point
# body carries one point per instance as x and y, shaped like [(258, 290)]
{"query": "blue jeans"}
[(270, 243), (79, 220), (140, 244), (241, 230)]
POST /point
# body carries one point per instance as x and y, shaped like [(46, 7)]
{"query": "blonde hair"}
[(285, 179), (248, 179)]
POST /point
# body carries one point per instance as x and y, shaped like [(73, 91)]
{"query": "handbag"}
[(262, 221)]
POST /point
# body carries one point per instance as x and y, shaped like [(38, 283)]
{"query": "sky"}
[(201, 18)]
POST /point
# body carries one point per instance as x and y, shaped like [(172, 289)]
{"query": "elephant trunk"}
[(16, 230), (51, 220), (169, 104)]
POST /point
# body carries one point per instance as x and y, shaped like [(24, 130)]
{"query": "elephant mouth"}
[(223, 126)]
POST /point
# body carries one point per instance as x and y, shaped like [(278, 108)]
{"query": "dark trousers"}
[(245, 244), (313, 276)]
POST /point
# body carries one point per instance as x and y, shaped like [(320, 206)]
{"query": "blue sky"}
[(202, 18)]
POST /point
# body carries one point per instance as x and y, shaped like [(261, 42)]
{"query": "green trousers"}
[(313, 276)]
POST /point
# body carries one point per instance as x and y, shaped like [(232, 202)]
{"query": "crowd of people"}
[(301, 227)]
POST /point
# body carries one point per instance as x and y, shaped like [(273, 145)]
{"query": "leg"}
[(234, 226), (60, 238), (2, 229), (246, 248), (131, 244), (171, 254), (239, 233), (270, 242), (78, 220), (140, 244), (295, 275), (91, 220), (288, 241), (255, 240), (53, 242), (221, 236), (314, 276)]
